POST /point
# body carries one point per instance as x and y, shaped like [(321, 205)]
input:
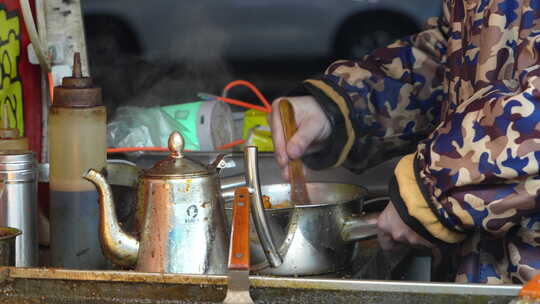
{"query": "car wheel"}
[(359, 38)]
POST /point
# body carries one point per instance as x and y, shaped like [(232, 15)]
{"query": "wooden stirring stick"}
[(299, 193)]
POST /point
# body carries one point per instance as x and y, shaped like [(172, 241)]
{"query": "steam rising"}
[(193, 62)]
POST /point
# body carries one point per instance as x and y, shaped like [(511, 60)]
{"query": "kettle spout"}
[(120, 247)]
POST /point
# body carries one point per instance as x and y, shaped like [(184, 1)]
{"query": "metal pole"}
[(65, 36), (65, 32)]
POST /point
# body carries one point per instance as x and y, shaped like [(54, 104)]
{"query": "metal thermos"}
[(18, 202)]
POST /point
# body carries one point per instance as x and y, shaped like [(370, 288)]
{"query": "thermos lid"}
[(176, 164), (17, 165)]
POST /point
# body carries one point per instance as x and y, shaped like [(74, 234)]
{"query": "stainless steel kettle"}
[(181, 213)]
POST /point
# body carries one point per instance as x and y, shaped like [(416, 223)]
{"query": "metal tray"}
[(56, 286)]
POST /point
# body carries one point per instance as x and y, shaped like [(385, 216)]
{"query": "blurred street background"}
[(149, 53)]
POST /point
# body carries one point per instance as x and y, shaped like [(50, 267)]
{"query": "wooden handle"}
[(239, 247), (299, 193)]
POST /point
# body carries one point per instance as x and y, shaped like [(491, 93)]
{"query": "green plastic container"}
[(206, 125)]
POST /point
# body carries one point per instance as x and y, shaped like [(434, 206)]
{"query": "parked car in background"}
[(249, 29)]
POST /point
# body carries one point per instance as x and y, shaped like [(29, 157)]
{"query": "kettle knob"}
[(176, 144)]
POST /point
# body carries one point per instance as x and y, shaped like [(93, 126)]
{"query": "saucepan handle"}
[(257, 207), (360, 227), (364, 226), (229, 184)]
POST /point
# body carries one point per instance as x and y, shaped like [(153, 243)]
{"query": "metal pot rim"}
[(360, 197), (9, 233)]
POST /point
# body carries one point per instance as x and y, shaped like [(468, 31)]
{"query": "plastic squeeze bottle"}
[(77, 142)]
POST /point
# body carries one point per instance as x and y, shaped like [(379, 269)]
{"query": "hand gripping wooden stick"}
[(299, 193)]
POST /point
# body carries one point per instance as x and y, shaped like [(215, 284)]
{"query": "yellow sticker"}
[(11, 91)]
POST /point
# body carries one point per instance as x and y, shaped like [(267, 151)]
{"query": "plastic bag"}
[(143, 127)]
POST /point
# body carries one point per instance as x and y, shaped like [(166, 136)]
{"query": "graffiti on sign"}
[(11, 90)]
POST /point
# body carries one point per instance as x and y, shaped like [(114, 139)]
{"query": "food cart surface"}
[(40, 285)]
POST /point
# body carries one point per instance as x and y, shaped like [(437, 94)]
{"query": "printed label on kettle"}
[(187, 214), (191, 215), (188, 205)]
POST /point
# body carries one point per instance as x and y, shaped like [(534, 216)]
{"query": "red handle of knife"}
[(239, 247)]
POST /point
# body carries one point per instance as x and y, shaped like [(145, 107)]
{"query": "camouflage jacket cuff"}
[(334, 104), (415, 207)]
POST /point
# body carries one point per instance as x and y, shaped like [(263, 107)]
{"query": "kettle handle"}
[(257, 207)]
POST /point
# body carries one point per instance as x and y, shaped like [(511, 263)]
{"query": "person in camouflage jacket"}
[(462, 98)]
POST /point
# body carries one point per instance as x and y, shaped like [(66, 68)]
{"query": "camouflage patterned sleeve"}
[(478, 171), (382, 105)]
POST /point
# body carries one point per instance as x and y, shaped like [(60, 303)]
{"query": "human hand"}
[(393, 232), (313, 128)]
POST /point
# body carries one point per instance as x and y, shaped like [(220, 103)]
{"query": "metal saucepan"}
[(305, 240)]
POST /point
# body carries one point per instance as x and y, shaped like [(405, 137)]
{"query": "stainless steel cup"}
[(18, 202)]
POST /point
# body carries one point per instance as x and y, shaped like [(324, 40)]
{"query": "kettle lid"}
[(176, 165)]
